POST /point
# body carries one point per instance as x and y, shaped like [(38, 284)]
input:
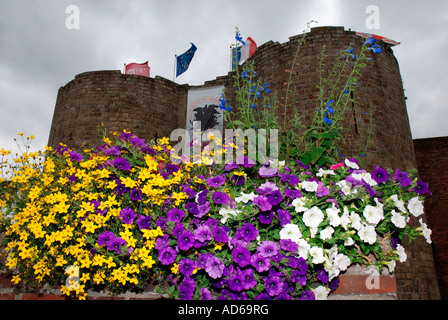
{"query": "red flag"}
[(377, 37), (140, 69), (248, 49)]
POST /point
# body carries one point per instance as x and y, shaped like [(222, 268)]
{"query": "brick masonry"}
[(432, 161), (150, 106)]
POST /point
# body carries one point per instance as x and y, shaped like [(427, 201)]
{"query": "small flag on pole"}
[(377, 37), (243, 52), (140, 69), (184, 60)]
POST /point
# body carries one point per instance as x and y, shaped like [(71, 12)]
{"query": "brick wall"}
[(432, 161)]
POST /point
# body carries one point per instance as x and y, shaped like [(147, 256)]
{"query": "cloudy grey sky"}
[(38, 54)]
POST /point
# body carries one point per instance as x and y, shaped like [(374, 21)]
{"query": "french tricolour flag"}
[(243, 52)]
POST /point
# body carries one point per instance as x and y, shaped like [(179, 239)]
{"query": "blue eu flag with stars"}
[(183, 61)]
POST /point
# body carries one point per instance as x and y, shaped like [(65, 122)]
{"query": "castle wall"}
[(149, 106)]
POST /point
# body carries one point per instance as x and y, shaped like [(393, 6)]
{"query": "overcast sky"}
[(39, 54)]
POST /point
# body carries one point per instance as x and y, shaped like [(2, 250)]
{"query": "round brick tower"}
[(150, 106)]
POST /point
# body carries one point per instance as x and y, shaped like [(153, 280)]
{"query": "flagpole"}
[(174, 69)]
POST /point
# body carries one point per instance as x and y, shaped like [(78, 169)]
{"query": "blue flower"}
[(370, 40), (239, 38), (376, 48)]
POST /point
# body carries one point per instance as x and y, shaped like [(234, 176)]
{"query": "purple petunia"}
[(275, 197), (216, 182), (175, 215), (266, 217), (137, 142), (238, 180), (75, 156), (186, 267), (221, 197), (203, 234), (214, 267), (205, 294), (185, 240), (192, 208), (245, 161), (220, 234), (230, 166), (403, 178), (267, 172), (203, 209), (121, 164), (274, 285), (136, 194), (421, 188), (283, 216), (115, 244), (380, 175), (290, 178), (241, 256), (249, 232), (262, 202), (322, 276), (127, 215), (186, 288), (167, 255), (289, 245), (171, 168), (248, 279), (236, 282), (105, 237), (292, 193), (268, 249), (113, 151), (260, 263), (143, 222)]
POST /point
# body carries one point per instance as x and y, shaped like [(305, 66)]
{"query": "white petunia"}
[(401, 253), (321, 293), (415, 207), (367, 234), (351, 164), (313, 217), (349, 242), (290, 231), (366, 176), (326, 233), (304, 248), (356, 221), (342, 261), (323, 172), (373, 214), (398, 203), (333, 216), (345, 218), (346, 187), (425, 231), (299, 204), (310, 186), (245, 197), (317, 255), (398, 220), (227, 213)]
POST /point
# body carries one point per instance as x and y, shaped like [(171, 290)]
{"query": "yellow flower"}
[(99, 277), (15, 279), (4, 152), (128, 182), (165, 140), (21, 134), (65, 290), (72, 271), (148, 262), (175, 268), (60, 261), (85, 277), (219, 245)]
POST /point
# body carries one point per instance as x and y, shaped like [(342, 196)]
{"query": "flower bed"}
[(124, 215)]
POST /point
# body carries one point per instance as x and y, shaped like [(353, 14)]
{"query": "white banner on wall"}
[(203, 109)]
